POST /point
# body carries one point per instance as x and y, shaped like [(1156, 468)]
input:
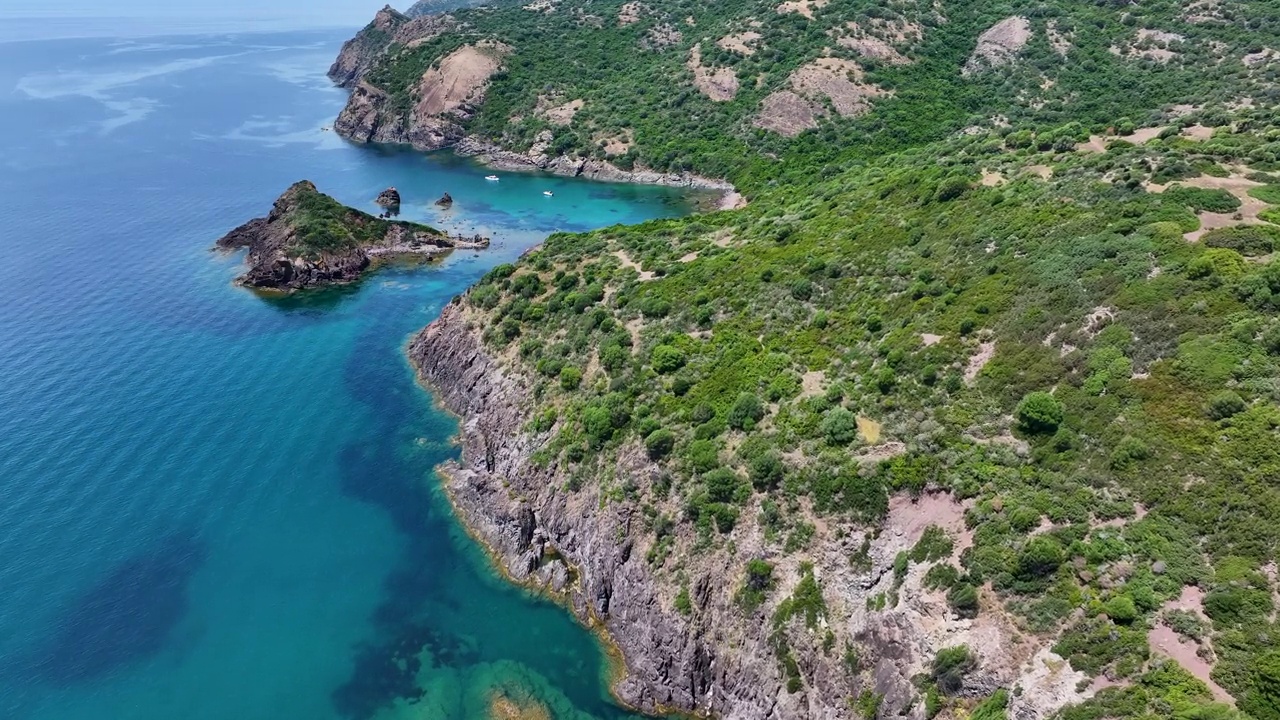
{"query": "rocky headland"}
[(711, 658), (309, 239), (433, 113)]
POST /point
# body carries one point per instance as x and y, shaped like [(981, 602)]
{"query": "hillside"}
[(971, 412)]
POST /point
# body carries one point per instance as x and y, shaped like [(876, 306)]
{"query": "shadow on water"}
[(125, 617)]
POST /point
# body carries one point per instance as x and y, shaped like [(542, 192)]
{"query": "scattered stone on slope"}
[(718, 84), (743, 43), (999, 45)]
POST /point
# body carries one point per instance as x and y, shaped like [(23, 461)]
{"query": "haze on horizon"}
[(304, 12)]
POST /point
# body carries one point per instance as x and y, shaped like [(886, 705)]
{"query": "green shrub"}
[(1245, 239), (1267, 193), (659, 443), (949, 668), (1202, 200), (755, 588), (570, 378), (1039, 412), (746, 412), (1224, 405), (666, 359), (839, 426)]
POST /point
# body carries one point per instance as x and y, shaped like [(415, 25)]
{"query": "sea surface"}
[(215, 505)]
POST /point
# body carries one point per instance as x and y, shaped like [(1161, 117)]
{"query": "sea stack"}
[(389, 199), (445, 200)]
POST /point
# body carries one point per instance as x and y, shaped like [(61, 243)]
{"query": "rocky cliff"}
[(310, 239), (712, 657), (389, 28), (431, 113)]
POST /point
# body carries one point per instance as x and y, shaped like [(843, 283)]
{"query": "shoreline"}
[(615, 661), (526, 527), (495, 156)]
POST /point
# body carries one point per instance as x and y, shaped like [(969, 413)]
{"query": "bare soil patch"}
[(559, 114), (1198, 132), (841, 81), (718, 84), (627, 262), (869, 429), (787, 114), (1164, 640), (979, 360), (999, 45), (1238, 186), (803, 7), (630, 14), (460, 78), (742, 43)]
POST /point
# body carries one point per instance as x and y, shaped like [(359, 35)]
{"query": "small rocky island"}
[(309, 239)]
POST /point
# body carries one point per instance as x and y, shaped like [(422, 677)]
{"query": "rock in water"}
[(445, 200), (389, 199), (310, 239)]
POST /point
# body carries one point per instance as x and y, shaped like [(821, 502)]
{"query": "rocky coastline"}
[(449, 95), (311, 240), (713, 659)]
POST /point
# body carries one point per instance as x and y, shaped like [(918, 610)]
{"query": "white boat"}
[(548, 193), (491, 178)]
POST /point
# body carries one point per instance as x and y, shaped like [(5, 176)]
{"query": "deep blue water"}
[(214, 505)]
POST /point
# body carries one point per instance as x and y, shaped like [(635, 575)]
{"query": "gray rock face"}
[(362, 52), (525, 516)]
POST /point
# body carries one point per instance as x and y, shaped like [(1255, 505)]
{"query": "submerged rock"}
[(310, 239)]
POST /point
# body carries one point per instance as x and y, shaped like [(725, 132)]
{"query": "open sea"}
[(215, 506)]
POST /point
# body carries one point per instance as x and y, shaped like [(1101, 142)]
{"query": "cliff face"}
[(389, 28), (445, 96), (310, 239), (713, 658)]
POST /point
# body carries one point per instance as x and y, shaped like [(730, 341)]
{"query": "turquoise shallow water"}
[(214, 505)]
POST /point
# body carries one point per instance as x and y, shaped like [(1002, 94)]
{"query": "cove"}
[(218, 505)]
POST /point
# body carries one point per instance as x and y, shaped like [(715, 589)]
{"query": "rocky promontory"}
[(389, 27), (309, 239)]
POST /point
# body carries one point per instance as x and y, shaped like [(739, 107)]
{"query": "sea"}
[(216, 505)]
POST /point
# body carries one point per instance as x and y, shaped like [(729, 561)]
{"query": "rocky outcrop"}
[(446, 95), (389, 28), (445, 201), (999, 45), (388, 199), (537, 158), (309, 239)]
